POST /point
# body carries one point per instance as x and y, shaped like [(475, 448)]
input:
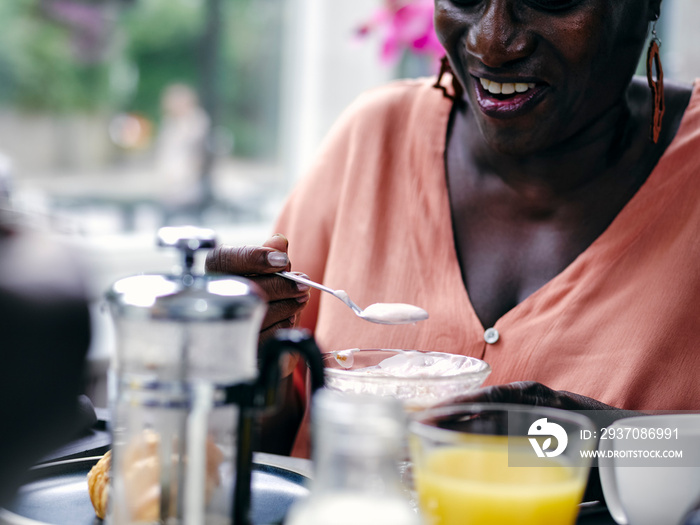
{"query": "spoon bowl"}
[(381, 313)]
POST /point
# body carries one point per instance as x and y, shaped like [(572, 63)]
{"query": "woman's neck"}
[(566, 167), (615, 145)]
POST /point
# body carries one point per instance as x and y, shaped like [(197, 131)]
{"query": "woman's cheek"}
[(449, 22)]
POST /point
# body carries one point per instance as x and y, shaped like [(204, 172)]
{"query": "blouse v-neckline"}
[(620, 234)]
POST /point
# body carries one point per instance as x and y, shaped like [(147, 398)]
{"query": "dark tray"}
[(57, 494)]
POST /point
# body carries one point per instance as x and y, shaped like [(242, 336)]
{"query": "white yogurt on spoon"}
[(394, 313), (388, 313)]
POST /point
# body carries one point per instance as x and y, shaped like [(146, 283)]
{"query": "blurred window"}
[(83, 112)]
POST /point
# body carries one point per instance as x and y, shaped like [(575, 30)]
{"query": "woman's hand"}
[(530, 393), (537, 394), (286, 299)]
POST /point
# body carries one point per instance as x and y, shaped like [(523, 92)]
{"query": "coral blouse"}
[(620, 324)]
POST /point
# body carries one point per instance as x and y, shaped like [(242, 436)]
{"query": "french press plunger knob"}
[(187, 239)]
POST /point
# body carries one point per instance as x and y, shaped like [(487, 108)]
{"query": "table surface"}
[(97, 441)]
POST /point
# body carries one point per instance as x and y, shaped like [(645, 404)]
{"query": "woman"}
[(532, 216)]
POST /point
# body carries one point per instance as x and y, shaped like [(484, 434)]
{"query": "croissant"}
[(98, 484), (141, 471)]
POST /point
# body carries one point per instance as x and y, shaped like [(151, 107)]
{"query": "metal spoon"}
[(382, 313)]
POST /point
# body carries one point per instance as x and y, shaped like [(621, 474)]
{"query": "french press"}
[(186, 384)]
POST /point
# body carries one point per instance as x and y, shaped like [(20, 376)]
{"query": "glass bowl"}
[(418, 379)]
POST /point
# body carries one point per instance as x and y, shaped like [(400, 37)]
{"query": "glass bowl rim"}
[(347, 374)]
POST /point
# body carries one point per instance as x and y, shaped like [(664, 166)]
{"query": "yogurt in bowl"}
[(419, 379)]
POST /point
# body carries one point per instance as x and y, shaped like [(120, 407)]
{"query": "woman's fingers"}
[(249, 260), (277, 242), (279, 289), (245, 260), (280, 311), (286, 299), (521, 392), (268, 331)]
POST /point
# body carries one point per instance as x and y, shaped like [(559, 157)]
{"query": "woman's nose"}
[(498, 37)]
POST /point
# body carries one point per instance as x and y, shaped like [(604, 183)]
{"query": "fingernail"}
[(303, 287), (280, 236), (303, 299), (278, 259)]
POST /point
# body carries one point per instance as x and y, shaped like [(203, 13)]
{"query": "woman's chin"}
[(515, 145)]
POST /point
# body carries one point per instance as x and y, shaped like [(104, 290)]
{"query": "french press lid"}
[(185, 296)]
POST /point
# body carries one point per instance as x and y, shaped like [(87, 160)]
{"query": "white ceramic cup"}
[(641, 488)]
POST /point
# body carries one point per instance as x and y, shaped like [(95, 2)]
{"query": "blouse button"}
[(491, 335)]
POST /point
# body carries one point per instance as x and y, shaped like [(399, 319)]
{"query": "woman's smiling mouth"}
[(505, 88), (507, 99)]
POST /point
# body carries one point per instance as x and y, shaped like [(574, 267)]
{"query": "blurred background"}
[(120, 116)]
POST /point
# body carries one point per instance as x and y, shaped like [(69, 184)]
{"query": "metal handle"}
[(290, 340), (304, 280), (339, 294)]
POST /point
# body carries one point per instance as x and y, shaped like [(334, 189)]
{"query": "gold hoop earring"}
[(445, 68), (658, 106)]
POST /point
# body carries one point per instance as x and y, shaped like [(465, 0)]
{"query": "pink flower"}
[(404, 26)]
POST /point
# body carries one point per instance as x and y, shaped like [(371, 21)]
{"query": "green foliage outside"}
[(161, 42), (250, 77), (38, 67), (147, 45)]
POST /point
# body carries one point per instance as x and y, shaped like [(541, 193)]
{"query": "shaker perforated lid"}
[(185, 296)]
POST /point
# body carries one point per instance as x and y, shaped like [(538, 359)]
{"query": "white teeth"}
[(506, 88)]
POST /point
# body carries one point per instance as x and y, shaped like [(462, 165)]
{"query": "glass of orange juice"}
[(497, 463)]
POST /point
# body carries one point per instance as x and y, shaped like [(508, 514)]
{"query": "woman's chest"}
[(506, 254)]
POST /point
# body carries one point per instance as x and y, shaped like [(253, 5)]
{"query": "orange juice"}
[(475, 486)]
